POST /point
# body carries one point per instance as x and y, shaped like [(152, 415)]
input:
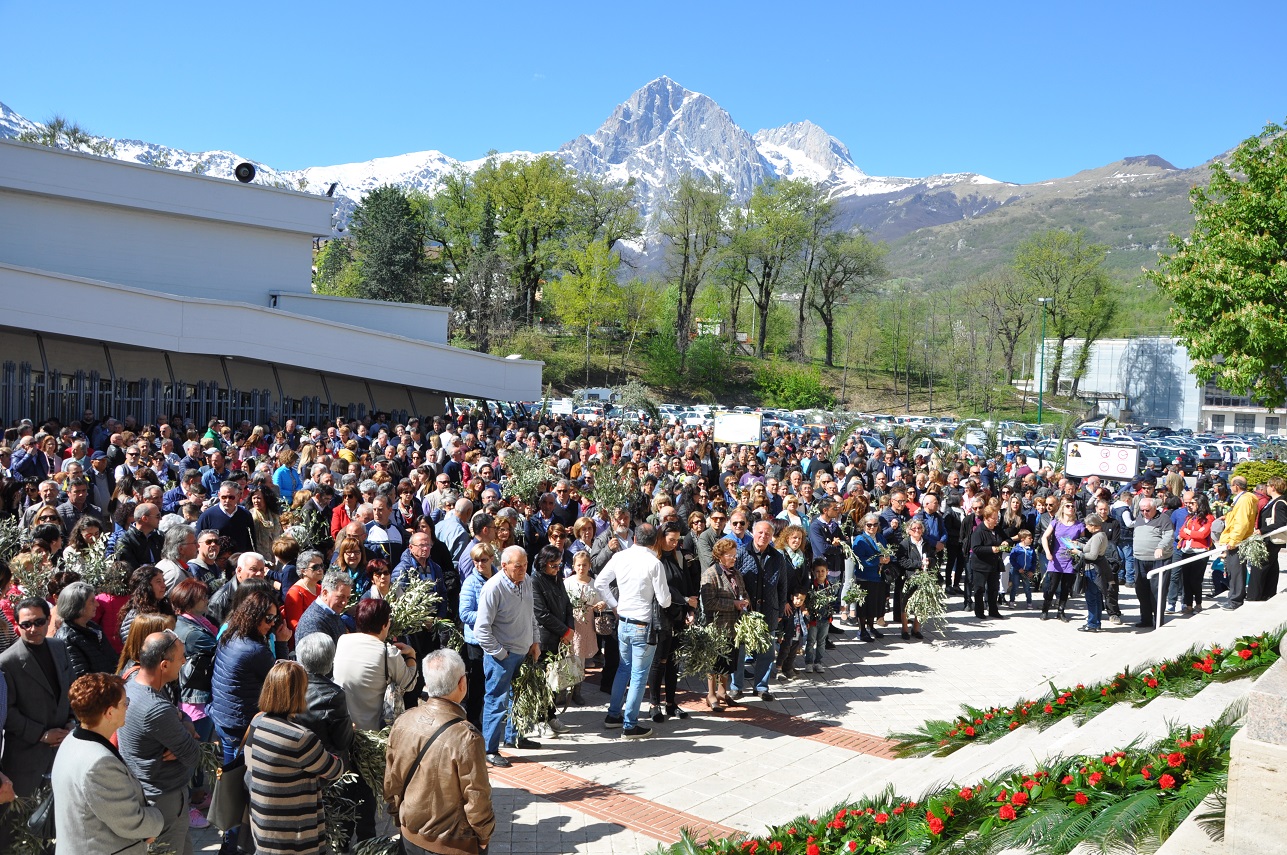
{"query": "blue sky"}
[(1017, 91)]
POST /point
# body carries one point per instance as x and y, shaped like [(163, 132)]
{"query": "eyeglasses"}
[(738, 522), (34, 624), (270, 619), (384, 572), (870, 525), (47, 519)]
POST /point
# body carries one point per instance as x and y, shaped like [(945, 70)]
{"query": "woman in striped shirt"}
[(286, 766)]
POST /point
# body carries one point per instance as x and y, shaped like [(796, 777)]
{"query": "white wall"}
[(424, 323), (95, 310)]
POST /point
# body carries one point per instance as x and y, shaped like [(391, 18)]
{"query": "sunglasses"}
[(34, 624), (384, 572), (738, 522)]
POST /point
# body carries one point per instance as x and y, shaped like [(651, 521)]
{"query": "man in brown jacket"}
[(435, 777)]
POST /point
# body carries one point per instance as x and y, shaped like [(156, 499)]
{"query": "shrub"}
[(1260, 471), (792, 387)]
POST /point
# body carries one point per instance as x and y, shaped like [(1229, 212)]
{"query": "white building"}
[(1151, 378), (129, 288)]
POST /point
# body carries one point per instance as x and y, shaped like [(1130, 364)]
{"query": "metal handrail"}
[(1166, 568)]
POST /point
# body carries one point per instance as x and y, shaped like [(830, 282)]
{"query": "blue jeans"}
[(632, 673), (1094, 598), (816, 642), (1128, 560), (1017, 579), (498, 675), (761, 667)]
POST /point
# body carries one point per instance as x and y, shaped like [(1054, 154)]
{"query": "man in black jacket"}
[(765, 572), (142, 543)]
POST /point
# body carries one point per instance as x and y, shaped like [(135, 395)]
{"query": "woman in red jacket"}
[(1195, 537)]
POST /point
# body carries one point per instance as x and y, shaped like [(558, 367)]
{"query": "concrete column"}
[(1258, 768)]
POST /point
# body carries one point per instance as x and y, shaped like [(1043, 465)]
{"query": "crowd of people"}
[(169, 587)]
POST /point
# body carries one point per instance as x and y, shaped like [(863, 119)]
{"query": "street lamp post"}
[(1041, 372)]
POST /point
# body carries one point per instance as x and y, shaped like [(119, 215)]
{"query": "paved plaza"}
[(591, 792)]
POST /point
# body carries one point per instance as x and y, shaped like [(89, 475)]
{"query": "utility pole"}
[(1041, 373)]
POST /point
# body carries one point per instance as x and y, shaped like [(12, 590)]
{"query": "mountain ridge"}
[(663, 130)]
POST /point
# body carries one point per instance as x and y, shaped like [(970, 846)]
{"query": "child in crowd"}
[(819, 619), (797, 624), (586, 604), (1022, 566)]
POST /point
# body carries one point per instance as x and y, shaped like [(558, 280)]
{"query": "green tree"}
[(1062, 266), (534, 207), (587, 296), (389, 238), (775, 226), (692, 228), (1006, 304), (820, 220), (333, 268), (844, 267), (1229, 279)]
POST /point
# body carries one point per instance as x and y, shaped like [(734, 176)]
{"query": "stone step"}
[(1213, 626), (1190, 839)]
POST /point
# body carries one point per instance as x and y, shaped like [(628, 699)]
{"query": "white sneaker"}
[(817, 667), (556, 726)]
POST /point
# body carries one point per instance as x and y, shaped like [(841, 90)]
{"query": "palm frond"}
[(1211, 820), (838, 441)]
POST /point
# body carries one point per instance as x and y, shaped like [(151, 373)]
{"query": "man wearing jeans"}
[(507, 632), (1154, 542), (764, 570), (641, 581)]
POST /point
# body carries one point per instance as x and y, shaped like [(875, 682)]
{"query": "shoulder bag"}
[(230, 800), (41, 821), (393, 704)]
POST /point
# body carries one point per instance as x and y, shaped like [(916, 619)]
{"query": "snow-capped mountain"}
[(662, 131), (659, 133)]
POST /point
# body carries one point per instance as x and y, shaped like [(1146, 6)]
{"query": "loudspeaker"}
[(245, 172)]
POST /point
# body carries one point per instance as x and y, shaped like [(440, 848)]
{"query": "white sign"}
[(1108, 460), (738, 428)]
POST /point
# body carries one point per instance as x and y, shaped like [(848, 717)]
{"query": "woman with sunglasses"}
[(870, 561), (381, 579), (242, 662)]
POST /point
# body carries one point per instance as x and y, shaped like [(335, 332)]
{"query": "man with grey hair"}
[(1154, 544), (450, 811), (323, 614), (328, 717), (452, 532), (507, 632), (158, 742), (250, 565), (141, 544), (179, 548)]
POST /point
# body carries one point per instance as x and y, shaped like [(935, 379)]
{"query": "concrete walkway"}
[(766, 763)]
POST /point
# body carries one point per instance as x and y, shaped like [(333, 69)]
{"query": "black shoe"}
[(916, 634), (657, 715), (865, 636), (636, 732), (498, 761), (834, 630), (875, 633), (1145, 624), (998, 616), (676, 712), (980, 616), (767, 696), (611, 721), (523, 742), (1085, 628), (830, 645), (907, 636), (1045, 614)]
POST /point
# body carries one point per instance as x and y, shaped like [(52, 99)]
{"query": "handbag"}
[(41, 821), (605, 622), (231, 800), (1279, 539), (393, 704)]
